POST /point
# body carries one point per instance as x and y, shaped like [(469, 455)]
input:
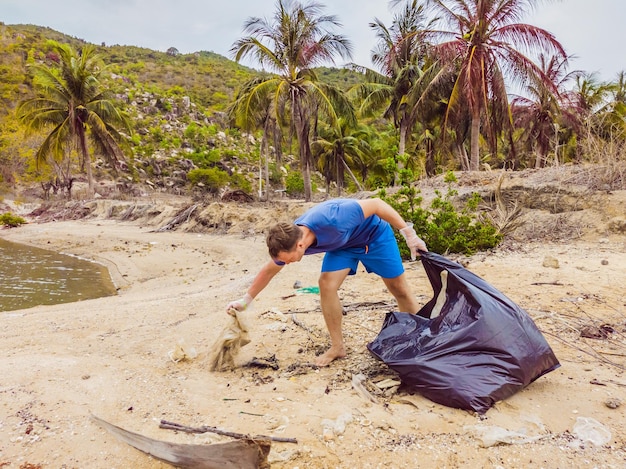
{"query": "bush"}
[(210, 179), (10, 220), (443, 228), (294, 184), (241, 182)]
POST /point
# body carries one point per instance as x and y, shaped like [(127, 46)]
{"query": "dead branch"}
[(299, 323), (178, 219), (208, 429)]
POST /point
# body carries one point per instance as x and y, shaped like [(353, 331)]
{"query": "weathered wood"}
[(209, 429), (182, 217), (245, 453)]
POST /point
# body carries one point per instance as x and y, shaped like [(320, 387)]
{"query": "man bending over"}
[(349, 231)]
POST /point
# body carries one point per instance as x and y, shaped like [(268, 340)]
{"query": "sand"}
[(111, 357)]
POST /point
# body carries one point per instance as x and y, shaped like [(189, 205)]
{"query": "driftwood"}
[(208, 429), (182, 217), (244, 453), (352, 306)]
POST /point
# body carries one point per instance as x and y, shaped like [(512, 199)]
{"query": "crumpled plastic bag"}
[(229, 343), (477, 348)]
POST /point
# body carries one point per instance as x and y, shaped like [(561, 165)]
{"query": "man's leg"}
[(329, 283), (399, 288)]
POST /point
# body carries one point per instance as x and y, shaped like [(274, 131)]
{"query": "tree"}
[(612, 116), (297, 39), (545, 107), (405, 72), (73, 102), (486, 45), (339, 147)]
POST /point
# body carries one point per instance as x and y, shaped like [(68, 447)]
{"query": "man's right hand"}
[(240, 304)]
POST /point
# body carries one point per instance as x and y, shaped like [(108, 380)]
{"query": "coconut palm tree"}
[(405, 72), (337, 149), (257, 113), (487, 45), (298, 38), (612, 115), (545, 108), (589, 98), (73, 102)]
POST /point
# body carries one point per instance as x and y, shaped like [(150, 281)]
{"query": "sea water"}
[(31, 276)]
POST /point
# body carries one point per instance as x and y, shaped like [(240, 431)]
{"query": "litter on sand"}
[(232, 338)]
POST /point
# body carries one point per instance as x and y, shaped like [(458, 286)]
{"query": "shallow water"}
[(31, 276)]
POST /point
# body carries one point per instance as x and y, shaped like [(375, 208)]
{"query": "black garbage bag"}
[(468, 347)]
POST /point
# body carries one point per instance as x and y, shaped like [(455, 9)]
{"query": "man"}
[(349, 231)]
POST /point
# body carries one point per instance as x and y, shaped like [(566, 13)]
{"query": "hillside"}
[(176, 103)]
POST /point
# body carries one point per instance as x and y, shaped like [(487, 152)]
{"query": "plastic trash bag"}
[(468, 347)]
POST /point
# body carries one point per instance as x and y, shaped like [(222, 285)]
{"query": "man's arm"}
[(262, 279), (383, 210), (390, 215)]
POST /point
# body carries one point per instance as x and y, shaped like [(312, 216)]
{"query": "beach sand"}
[(110, 357)]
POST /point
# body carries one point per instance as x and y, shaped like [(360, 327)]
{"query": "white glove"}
[(413, 241), (240, 304)]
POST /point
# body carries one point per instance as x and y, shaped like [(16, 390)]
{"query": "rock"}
[(551, 262)]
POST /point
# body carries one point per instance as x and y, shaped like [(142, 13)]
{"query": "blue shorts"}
[(381, 257)]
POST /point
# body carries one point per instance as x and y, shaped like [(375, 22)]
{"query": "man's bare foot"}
[(329, 355)]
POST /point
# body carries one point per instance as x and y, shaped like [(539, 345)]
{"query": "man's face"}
[(295, 255)]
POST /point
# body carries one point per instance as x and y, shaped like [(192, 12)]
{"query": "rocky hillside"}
[(176, 104)]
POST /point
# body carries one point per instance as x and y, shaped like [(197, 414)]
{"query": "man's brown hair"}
[(282, 237)]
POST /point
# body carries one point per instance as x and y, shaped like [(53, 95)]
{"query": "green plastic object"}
[(315, 290)]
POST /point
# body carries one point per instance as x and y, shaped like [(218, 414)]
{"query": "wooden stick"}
[(207, 429)]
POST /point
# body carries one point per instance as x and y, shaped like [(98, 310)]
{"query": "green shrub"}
[(443, 227), (209, 179), (239, 181), (294, 184), (8, 219)]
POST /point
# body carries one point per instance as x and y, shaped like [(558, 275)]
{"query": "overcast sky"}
[(588, 29)]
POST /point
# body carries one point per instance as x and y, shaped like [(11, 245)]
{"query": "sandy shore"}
[(110, 357)]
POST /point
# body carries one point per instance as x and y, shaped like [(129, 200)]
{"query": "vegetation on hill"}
[(202, 124)]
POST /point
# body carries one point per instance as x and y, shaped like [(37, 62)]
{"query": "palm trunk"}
[(265, 155), (401, 150), (474, 143), (82, 139), (340, 173), (430, 158), (352, 175), (541, 159), (302, 129)]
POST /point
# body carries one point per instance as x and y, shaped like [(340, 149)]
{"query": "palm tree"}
[(486, 45), (257, 114), (589, 98), (543, 110), (72, 102), (612, 115), (298, 39), (401, 57), (337, 148)]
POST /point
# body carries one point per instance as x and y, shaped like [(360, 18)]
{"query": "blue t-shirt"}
[(340, 224)]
